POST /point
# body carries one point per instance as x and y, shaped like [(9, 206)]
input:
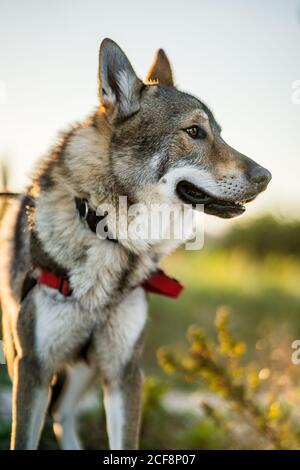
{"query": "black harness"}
[(90, 216)]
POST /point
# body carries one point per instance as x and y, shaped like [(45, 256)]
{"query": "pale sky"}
[(241, 57)]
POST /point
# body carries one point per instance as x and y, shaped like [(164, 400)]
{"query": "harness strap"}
[(161, 283), (61, 283), (157, 283)]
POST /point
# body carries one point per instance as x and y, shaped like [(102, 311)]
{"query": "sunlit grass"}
[(236, 271), (263, 293)]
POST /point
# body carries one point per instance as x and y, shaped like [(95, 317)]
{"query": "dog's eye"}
[(196, 132)]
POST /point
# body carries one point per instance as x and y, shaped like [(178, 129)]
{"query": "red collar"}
[(158, 283)]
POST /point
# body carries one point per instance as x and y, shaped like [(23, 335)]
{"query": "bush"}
[(266, 235), (249, 400)]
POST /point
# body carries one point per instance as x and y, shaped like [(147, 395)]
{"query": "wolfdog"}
[(75, 303)]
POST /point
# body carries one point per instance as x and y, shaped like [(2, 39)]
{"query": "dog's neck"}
[(80, 166)]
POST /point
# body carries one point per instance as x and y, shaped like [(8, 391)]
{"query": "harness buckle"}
[(86, 210)]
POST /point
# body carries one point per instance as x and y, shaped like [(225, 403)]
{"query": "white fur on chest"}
[(61, 326), (115, 342)]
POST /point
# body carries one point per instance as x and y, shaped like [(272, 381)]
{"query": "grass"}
[(263, 293)]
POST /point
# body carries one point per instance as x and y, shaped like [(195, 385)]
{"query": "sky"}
[(241, 57)]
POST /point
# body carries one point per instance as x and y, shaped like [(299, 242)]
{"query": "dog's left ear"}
[(160, 71), (119, 87)]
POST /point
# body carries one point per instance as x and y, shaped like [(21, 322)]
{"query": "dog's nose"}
[(260, 176)]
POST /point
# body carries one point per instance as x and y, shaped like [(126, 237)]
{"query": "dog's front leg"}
[(30, 402), (119, 347), (122, 401)]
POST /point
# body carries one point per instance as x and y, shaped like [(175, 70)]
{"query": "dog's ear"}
[(119, 87), (160, 71)]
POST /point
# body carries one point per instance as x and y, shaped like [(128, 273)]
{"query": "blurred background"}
[(218, 360)]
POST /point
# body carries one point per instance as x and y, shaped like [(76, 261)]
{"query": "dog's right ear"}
[(160, 71), (119, 87)]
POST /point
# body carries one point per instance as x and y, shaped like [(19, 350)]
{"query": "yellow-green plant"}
[(225, 371)]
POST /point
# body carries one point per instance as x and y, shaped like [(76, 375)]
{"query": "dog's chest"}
[(63, 329), (105, 279), (106, 299), (107, 274), (61, 326)]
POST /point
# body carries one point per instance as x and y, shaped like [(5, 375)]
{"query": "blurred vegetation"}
[(268, 235), (4, 178), (259, 402), (222, 393)]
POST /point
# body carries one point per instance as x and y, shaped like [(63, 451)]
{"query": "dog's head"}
[(166, 145)]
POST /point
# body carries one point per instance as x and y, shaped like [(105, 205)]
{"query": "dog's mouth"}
[(191, 194)]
